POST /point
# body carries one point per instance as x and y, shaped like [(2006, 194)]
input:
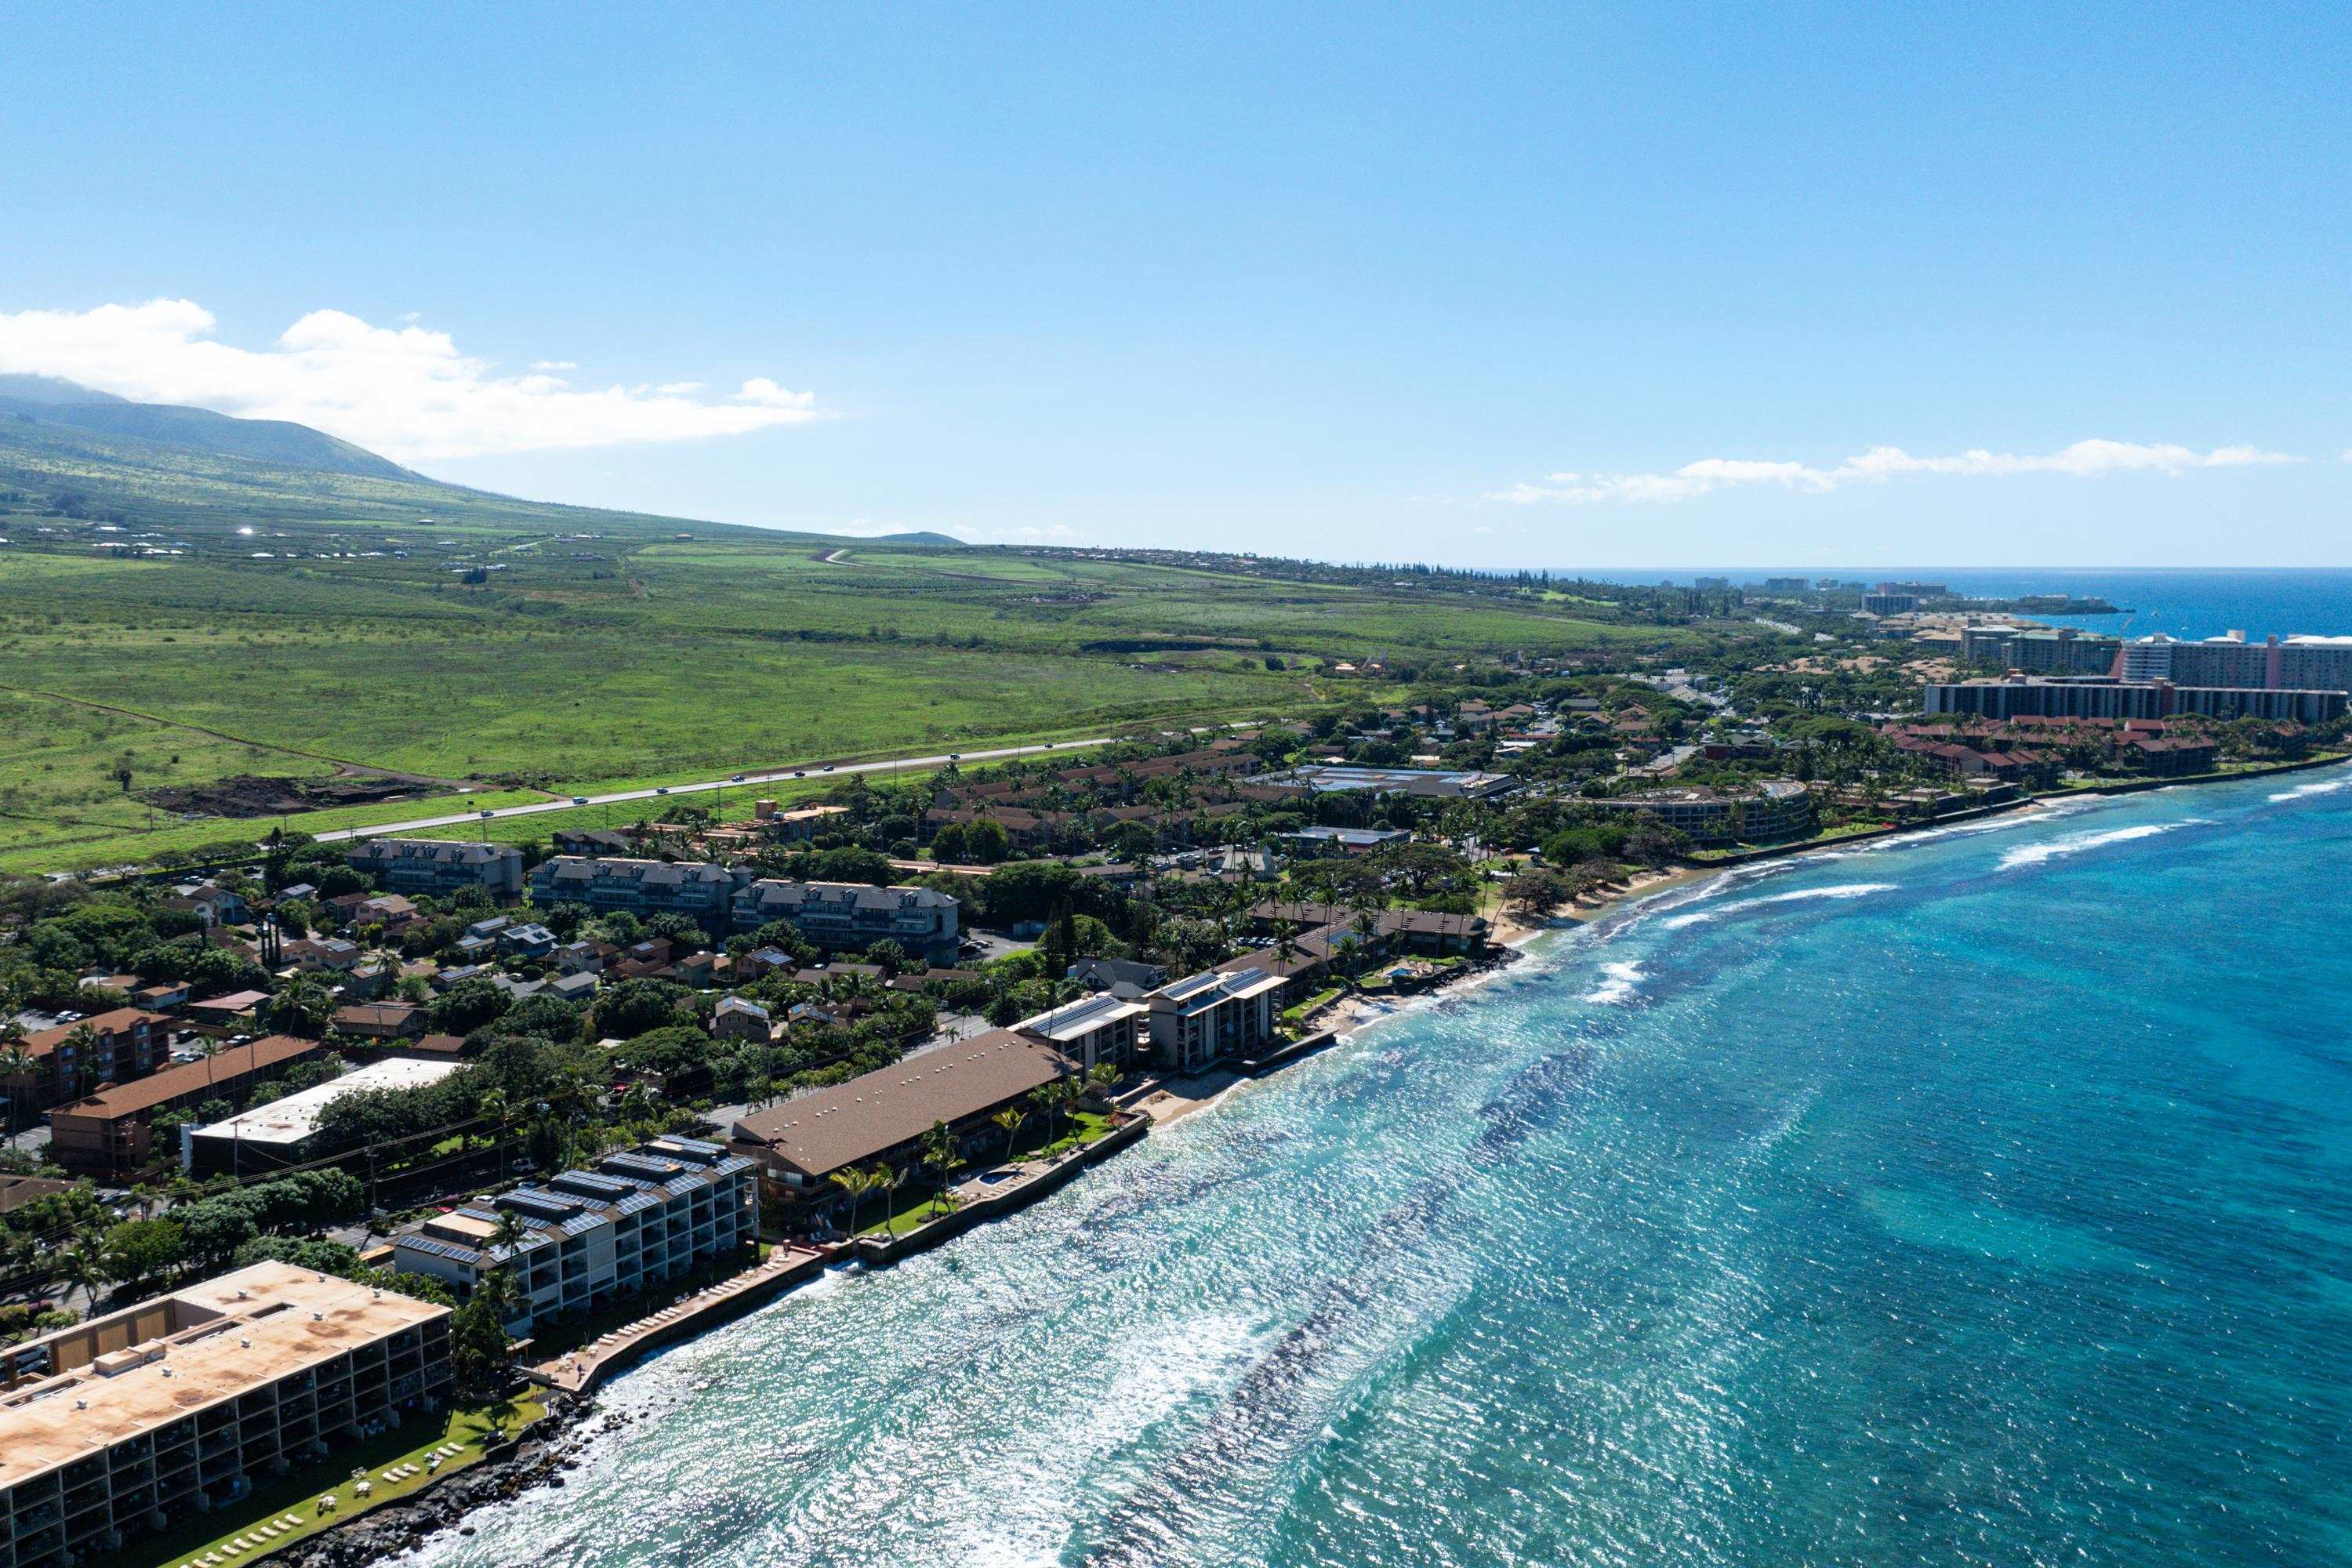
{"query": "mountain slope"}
[(53, 470), (41, 401)]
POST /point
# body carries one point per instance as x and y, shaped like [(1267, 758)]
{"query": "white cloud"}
[(405, 392), (2084, 459), (768, 394), (555, 365)]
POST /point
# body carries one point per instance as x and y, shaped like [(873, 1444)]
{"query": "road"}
[(737, 781)]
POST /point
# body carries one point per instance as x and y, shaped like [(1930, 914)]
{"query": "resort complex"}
[(148, 1416)]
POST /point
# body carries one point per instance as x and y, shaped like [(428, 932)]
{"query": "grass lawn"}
[(1323, 998), (299, 1494)]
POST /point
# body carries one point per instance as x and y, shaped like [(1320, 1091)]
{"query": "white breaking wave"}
[(1623, 980), (2074, 844), (1840, 891), (2322, 786)]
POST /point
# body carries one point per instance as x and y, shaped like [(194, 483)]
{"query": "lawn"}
[(298, 1495), (914, 1202)]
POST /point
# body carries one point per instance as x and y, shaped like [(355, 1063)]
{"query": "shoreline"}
[(407, 1526)]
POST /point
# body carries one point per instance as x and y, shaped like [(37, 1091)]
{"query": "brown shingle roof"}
[(831, 1128), (41, 1042), (191, 1078)]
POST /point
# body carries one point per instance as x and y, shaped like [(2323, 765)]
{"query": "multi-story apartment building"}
[(1777, 808), (637, 1219), (849, 916), (1201, 1018), (2275, 664), (441, 865), (1092, 1030), (2052, 651), (107, 1135), (699, 889), (70, 1060), (141, 1418), (2101, 698)]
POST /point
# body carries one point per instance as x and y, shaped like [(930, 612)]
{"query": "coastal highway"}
[(739, 781)]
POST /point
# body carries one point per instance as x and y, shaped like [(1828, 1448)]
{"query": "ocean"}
[(1983, 1196), (2179, 602)]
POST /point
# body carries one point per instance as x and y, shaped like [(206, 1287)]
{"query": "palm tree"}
[(1049, 1103), (82, 1041), (939, 1152), (17, 1066), (892, 1179), (82, 1269), (1010, 1118), (856, 1182), (1101, 1077), (302, 1007)]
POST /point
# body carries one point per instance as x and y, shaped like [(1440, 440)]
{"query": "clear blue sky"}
[(1323, 280)]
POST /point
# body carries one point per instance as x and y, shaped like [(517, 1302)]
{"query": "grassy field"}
[(313, 623)]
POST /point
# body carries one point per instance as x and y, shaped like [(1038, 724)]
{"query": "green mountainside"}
[(45, 401)]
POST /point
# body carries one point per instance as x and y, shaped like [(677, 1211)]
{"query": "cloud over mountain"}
[(406, 391)]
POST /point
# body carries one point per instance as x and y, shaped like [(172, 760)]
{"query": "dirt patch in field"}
[(252, 795)]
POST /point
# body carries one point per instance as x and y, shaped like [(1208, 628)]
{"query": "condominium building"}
[(2101, 698), (850, 916), (594, 1236), (2060, 650), (699, 889), (2275, 664), (1429, 784), (142, 1418), (70, 1060), (1777, 808), (1201, 1018), (107, 1135), (884, 1117), (441, 865), (1092, 1030)]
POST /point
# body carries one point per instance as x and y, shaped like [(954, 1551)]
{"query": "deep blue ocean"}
[(2182, 603), (1983, 1197)]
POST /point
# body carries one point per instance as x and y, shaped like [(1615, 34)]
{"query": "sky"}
[(1544, 285)]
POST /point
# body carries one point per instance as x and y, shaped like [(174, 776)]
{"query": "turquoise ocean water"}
[(1984, 1198)]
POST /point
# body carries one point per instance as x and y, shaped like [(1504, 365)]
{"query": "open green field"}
[(314, 624)]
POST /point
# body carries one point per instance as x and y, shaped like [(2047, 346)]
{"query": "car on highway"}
[(485, 813), (737, 779), (827, 768), (800, 772), (662, 790), (580, 800)]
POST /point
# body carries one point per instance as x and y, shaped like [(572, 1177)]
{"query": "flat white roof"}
[(295, 1117)]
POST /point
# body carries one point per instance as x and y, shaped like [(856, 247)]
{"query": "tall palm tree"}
[(1009, 1119), (892, 1179), (1048, 1104), (17, 1066), (83, 1041), (856, 1181), (940, 1155)]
